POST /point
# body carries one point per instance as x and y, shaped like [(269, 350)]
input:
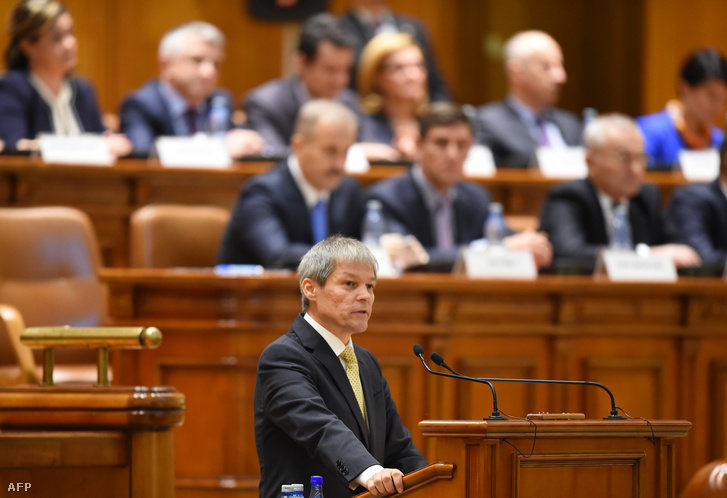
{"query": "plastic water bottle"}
[(219, 116), (316, 487), (286, 491), (297, 491), (495, 225), (373, 224), (620, 239)]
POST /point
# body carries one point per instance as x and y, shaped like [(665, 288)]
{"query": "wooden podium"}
[(570, 459), (89, 441)]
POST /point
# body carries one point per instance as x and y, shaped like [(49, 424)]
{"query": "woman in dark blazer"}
[(38, 93)]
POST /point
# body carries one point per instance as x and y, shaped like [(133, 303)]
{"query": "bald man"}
[(526, 118)]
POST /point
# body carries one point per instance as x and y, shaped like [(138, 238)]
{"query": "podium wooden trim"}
[(573, 458), (89, 441)]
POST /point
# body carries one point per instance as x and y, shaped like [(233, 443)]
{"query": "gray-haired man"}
[(322, 406)]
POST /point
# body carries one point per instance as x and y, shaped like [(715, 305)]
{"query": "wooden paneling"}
[(634, 338)]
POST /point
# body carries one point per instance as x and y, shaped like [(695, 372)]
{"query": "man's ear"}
[(310, 289)]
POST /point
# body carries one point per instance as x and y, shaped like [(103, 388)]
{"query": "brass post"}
[(48, 360), (103, 367)]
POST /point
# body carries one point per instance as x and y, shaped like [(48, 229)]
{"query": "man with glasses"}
[(579, 216)]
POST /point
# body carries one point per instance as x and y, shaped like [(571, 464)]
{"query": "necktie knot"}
[(349, 356)]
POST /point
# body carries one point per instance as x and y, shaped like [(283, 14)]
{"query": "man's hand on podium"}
[(386, 481)]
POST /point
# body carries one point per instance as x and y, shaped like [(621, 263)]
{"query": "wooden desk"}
[(662, 349), (86, 441), (110, 194)]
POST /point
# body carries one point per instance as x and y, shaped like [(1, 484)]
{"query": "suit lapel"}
[(323, 353), (596, 215), (299, 218), (167, 128)]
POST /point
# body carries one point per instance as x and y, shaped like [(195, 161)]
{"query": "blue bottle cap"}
[(316, 480)]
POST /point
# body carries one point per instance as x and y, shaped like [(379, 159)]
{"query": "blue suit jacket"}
[(362, 34), (24, 113), (405, 212), (573, 219), (700, 212), (270, 223), (499, 127), (307, 420), (145, 116), (662, 140), (272, 110)]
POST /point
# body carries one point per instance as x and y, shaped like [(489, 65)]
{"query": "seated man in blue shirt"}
[(179, 102)]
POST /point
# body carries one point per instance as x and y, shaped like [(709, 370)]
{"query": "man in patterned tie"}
[(322, 406), (281, 213)]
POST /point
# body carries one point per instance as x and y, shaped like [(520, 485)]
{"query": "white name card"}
[(356, 161), (479, 162), (699, 165), (79, 149), (628, 266), (198, 151), (499, 262), (562, 162)]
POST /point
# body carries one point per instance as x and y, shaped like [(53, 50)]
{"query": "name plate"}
[(479, 163), (356, 161), (628, 266), (499, 262), (562, 162), (198, 151), (699, 165), (79, 149)]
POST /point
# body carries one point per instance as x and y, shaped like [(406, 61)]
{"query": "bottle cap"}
[(218, 100), (374, 204), (316, 480), (495, 207), (285, 488), (297, 487)]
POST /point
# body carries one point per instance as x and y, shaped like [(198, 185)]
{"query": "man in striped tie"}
[(322, 406)]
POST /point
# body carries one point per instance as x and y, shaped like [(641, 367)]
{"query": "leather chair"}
[(49, 264), (168, 236), (709, 482), (17, 365)]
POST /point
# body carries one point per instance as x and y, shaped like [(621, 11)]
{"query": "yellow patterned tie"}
[(353, 377)]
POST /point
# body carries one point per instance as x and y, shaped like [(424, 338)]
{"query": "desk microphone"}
[(437, 358), (419, 352)]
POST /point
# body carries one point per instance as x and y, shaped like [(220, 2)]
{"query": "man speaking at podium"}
[(322, 405)]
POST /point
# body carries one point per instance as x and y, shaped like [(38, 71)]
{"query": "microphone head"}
[(418, 350), (437, 358)]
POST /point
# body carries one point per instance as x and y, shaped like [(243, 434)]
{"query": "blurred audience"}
[(323, 61), (700, 212), (392, 83), (689, 121), (432, 201), (527, 118), (579, 215), (179, 102), (39, 92), (281, 213), (368, 18)]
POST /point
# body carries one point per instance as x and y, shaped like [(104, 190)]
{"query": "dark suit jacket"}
[(270, 223), (146, 116), (307, 420), (700, 212), (24, 113), (573, 219), (361, 35), (499, 127), (272, 110), (405, 212)]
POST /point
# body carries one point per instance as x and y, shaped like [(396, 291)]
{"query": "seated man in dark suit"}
[(579, 215), (323, 63), (179, 102), (434, 204), (700, 213), (512, 128), (281, 213), (322, 406), (368, 18)]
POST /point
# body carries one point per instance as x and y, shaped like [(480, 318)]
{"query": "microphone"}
[(437, 358), (419, 352)]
